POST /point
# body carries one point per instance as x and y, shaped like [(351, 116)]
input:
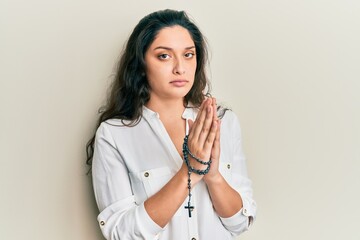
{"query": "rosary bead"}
[(186, 151)]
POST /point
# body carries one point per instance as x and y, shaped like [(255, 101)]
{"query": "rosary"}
[(186, 151)]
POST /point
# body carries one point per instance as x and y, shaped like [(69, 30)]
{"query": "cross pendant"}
[(189, 208)]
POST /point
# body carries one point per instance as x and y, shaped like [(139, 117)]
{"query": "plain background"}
[(289, 69)]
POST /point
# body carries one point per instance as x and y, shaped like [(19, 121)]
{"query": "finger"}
[(215, 109), (215, 152), (209, 141), (206, 127), (193, 124), (200, 119)]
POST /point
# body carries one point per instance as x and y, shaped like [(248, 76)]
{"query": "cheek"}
[(192, 68), (158, 69), (156, 75), (192, 65)]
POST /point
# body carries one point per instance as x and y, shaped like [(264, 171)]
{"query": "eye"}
[(189, 55), (163, 56)]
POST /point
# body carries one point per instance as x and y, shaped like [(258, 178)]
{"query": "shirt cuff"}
[(235, 219), (245, 215)]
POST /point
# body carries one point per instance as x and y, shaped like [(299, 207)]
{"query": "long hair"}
[(130, 89)]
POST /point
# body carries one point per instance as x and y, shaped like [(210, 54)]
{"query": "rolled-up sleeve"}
[(243, 219), (120, 216)]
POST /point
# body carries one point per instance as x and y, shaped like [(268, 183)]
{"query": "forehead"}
[(173, 37)]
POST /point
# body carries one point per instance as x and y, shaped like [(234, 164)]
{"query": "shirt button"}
[(146, 174), (245, 212), (102, 223), (228, 166), (193, 239)]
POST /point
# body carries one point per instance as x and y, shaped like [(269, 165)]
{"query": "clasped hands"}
[(204, 139)]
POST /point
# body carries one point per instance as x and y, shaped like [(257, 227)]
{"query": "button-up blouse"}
[(130, 164)]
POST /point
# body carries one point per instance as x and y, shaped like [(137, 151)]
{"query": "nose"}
[(179, 67)]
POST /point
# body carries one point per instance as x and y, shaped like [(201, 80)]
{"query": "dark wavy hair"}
[(130, 89)]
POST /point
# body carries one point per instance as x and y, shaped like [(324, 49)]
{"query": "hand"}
[(203, 134), (215, 151)]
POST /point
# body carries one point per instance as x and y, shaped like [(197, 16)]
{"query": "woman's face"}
[(171, 63)]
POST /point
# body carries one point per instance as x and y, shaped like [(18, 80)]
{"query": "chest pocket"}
[(225, 169), (146, 183)]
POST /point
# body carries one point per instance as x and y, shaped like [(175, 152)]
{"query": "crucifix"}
[(190, 208)]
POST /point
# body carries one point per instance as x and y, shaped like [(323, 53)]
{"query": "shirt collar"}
[(148, 113), (189, 113)]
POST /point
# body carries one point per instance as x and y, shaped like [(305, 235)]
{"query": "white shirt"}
[(130, 164)]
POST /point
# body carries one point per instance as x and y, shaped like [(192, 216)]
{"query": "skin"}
[(170, 58)]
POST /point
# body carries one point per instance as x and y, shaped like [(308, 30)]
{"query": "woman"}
[(158, 172)]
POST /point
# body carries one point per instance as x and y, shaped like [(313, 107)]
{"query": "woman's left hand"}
[(215, 151)]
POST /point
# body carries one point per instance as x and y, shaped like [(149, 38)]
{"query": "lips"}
[(179, 82)]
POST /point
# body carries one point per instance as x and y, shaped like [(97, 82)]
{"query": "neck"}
[(169, 109)]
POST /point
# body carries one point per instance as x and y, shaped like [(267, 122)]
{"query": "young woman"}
[(167, 162)]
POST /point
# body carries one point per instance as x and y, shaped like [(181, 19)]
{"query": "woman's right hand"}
[(202, 134)]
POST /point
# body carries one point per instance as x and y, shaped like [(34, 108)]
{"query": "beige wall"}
[(289, 69)]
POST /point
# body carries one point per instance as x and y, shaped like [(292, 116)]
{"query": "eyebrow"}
[(167, 48)]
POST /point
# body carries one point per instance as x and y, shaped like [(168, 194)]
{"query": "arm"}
[(120, 216), (225, 199), (231, 200), (162, 206)]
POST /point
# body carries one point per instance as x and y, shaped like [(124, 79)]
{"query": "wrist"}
[(184, 171), (213, 179)]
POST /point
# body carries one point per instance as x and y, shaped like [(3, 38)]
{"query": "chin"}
[(182, 94)]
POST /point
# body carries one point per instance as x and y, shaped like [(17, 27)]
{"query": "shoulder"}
[(108, 127), (227, 115), (109, 124), (230, 121)]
